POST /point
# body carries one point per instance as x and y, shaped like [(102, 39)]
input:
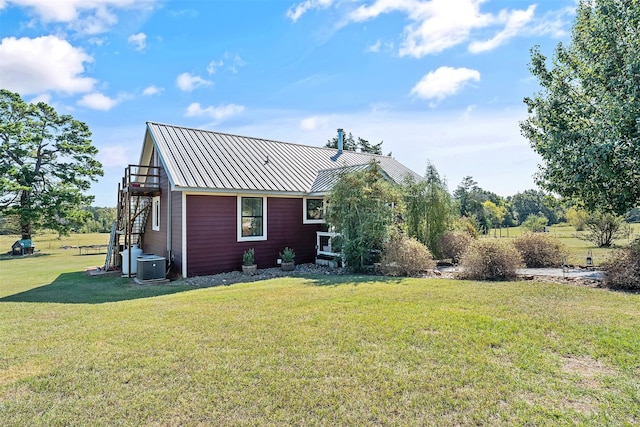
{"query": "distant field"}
[(578, 248), (326, 350)]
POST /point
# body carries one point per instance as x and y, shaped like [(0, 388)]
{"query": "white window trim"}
[(305, 220), (264, 220), (155, 213)]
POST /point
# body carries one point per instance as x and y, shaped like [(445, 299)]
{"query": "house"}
[(201, 198)]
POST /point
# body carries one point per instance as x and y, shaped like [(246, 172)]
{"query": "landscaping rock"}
[(224, 279)]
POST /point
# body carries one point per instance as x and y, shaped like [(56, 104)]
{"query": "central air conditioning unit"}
[(151, 267)]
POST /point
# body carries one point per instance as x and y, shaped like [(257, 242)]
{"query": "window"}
[(313, 211), (155, 213), (252, 218)]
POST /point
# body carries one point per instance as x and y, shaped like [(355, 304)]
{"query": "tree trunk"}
[(25, 229), (25, 221)]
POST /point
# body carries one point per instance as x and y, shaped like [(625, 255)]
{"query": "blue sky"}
[(436, 80)]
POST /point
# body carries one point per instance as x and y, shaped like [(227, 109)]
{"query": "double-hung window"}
[(252, 218), (313, 211)]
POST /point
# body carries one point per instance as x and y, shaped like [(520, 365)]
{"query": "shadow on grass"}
[(78, 288), (9, 257)]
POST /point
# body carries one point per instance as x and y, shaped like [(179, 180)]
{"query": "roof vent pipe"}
[(340, 140)]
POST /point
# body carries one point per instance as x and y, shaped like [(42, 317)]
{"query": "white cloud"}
[(515, 21), (86, 16), (295, 12), (213, 66), (437, 25), (375, 47), (555, 23), (97, 41), (234, 61), (99, 101), (43, 97), (444, 82), (138, 40), (217, 113), (152, 90), (114, 156), (43, 64), (314, 122), (188, 82)]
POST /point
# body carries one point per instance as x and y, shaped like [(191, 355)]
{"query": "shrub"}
[(535, 223), (287, 255), (623, 268), (248, 257), (452, 244), (405, 256), (490, 259), (604, 228), (540, 250)]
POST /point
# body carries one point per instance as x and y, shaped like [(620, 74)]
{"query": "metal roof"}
[(198, 160)]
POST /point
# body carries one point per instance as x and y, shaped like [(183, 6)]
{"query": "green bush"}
[(623, 268), (535, 223), (405, 256), (490, 259), (452, 244), (540, 250)]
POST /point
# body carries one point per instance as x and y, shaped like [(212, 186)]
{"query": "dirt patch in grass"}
[(588, 369)]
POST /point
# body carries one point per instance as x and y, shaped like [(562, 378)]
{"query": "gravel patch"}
[(224, 279), (556, 275)]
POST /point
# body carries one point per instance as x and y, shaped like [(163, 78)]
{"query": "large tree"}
[(47, 163), (535, 202), (585, 121)]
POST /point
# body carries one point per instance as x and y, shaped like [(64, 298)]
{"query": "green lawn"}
[(79, 350)]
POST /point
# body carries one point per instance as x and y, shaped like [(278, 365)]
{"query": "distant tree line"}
[(97, 220)]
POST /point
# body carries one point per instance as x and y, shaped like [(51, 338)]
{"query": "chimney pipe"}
[(340, 141)]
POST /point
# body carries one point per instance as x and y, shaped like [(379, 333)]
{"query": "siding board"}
[(212, 234)]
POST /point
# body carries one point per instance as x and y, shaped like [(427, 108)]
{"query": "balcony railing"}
[(141, 179)]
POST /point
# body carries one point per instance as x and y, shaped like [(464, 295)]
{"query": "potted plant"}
[(249, 267), (287, 259)]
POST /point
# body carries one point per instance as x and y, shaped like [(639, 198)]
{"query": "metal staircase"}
[(135, 195)]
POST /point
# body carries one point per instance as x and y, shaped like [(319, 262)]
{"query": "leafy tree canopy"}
[(47, 162), (470, 200), (535, 202), (351, 144), (362, 207), (585, 121)]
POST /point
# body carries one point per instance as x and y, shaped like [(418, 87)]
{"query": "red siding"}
[(212, 245), (176, 231)]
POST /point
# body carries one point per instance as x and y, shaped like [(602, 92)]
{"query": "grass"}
[(352, 350), (578, 247)]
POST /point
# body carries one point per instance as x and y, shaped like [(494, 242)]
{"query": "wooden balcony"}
[(141, 180)]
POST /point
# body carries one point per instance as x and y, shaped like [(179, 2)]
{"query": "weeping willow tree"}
[(428, 208), (362, 207)]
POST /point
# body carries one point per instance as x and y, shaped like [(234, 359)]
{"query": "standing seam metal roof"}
[(207, 160)]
